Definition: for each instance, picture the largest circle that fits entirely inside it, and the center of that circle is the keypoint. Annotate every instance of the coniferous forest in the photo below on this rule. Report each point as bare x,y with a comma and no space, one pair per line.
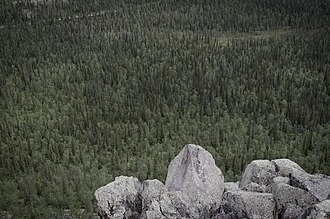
93,89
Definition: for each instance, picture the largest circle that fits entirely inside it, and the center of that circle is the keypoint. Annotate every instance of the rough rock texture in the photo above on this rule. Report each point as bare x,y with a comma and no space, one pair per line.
285,167
319,211
120,198
195,188
318,185
258,171
254,187
194,173
152,190
176,204
242,204
281,179
231,186
290,201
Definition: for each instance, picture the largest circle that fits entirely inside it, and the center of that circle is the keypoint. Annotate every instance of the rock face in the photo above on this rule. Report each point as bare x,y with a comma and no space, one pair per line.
290,201
119,199
258,171
195,188
319,211
243,204
194,173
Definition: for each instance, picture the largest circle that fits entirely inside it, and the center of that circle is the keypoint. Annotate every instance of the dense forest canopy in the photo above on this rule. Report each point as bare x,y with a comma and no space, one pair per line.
92,89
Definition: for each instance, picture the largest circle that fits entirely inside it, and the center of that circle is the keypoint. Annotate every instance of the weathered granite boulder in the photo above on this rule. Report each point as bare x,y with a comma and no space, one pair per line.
119,199
319,211
285,167
152,190
194,173
291,201
243,204
171,205
176,204
258,171
231,186
318,185
153,211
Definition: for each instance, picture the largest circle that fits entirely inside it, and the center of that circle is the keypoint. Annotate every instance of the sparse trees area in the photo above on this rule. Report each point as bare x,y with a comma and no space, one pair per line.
94,89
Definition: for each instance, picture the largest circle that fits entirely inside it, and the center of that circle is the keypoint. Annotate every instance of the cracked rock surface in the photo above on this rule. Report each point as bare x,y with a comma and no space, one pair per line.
195,188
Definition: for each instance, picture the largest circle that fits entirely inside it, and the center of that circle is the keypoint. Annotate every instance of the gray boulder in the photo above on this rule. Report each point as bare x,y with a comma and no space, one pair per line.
176,204
319,211
251,205
152,190
291,201
258,171
171,205
119,199
153,211
231,186
194,173
285,167
317,185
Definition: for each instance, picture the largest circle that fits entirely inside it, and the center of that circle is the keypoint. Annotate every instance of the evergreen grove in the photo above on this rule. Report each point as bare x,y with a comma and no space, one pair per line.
93,89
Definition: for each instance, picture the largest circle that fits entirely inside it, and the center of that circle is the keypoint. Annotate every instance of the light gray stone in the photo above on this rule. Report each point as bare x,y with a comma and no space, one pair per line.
120,198
317,185
281,179
319,211
252,205
231,186
152,190
285,167
254,187
291,201
194,173
258,171
176,204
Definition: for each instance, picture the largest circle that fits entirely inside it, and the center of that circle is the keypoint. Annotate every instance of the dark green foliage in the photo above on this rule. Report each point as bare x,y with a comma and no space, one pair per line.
95,89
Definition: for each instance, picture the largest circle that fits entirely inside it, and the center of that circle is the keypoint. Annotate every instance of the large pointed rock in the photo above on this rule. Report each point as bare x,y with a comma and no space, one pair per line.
194,173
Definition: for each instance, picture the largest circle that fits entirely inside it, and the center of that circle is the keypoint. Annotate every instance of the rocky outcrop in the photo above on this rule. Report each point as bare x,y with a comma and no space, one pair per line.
195,188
